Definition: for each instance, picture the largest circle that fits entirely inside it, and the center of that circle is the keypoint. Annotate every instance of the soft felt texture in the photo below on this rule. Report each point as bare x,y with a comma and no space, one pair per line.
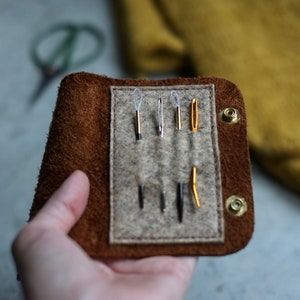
252,43
79,138
159,163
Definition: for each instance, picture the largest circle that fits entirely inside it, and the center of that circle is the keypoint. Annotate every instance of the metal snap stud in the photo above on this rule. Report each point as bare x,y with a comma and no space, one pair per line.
236,205
230,115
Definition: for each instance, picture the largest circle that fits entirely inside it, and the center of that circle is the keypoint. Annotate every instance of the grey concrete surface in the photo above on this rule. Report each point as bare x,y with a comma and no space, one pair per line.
268,268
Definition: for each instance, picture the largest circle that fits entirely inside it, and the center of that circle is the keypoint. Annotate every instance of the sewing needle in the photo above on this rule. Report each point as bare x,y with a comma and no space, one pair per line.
194,186
194,115
138,133
178,117
179,199
141,196
194,128
137,93
163,202
160,118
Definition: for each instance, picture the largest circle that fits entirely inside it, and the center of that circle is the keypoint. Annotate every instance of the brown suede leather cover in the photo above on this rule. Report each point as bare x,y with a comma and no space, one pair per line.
79,138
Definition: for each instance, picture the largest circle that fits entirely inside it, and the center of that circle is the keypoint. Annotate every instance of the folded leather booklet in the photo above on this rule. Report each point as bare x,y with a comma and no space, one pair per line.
168,164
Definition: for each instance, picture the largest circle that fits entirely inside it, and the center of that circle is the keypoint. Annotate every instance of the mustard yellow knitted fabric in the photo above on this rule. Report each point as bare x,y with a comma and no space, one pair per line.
254,43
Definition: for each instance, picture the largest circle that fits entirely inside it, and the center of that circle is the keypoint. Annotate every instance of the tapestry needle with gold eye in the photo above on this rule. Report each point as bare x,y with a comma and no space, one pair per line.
137,93
194,127
194,186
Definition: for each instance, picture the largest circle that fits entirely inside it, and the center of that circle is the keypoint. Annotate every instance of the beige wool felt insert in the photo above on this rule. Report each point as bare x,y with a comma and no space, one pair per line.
159,163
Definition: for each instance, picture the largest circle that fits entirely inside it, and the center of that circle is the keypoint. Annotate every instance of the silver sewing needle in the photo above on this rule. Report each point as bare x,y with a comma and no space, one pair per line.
160,117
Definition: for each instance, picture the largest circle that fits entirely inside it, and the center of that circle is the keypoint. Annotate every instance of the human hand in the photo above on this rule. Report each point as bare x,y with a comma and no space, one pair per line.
53,266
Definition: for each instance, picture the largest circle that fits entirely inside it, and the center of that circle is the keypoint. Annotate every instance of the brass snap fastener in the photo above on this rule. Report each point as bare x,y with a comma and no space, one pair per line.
236,205
230,115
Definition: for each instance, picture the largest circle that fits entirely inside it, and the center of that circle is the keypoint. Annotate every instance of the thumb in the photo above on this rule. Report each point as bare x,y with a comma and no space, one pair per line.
66,205
59,214
42,247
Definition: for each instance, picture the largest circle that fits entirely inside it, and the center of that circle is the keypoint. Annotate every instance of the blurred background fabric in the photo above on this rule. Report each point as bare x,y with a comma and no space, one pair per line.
253,43
269,267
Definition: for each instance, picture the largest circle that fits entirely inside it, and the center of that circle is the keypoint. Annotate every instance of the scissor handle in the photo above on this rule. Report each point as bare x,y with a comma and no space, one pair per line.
65,48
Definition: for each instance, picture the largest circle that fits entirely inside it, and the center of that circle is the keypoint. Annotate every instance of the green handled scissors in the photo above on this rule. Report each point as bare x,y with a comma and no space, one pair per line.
62,56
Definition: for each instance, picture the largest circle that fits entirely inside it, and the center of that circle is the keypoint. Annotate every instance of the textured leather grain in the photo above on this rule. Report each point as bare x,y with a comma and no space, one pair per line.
79,138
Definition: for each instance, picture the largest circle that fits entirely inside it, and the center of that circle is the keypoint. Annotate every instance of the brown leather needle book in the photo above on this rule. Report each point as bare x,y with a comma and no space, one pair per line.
167,160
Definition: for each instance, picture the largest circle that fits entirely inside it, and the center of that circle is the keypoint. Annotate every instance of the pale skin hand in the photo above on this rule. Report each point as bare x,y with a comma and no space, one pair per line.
52,266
